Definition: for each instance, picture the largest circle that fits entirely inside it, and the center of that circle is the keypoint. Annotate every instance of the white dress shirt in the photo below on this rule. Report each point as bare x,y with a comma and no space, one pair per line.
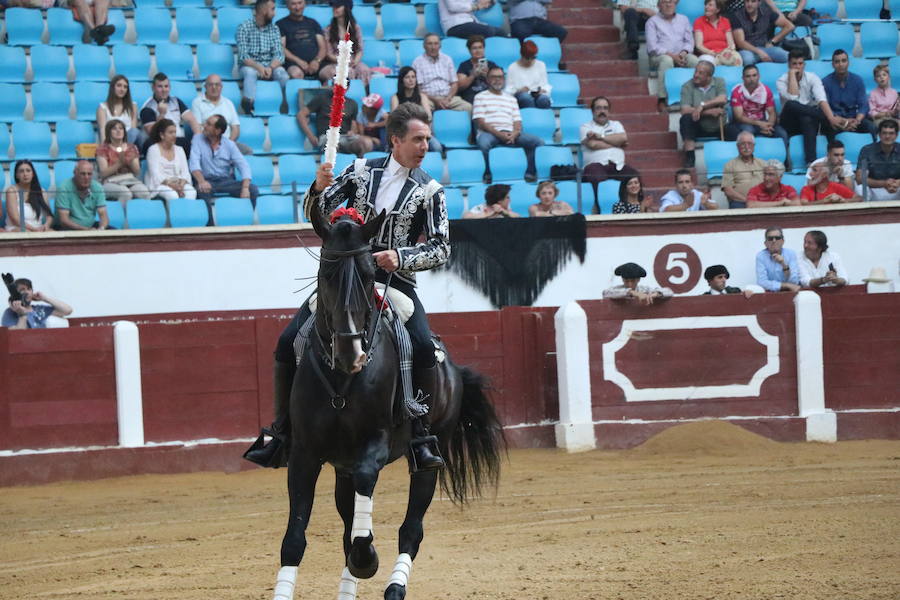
809,271
390,186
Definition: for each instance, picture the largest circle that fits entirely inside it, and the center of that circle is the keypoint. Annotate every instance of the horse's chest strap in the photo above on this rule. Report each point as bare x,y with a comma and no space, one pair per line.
338,399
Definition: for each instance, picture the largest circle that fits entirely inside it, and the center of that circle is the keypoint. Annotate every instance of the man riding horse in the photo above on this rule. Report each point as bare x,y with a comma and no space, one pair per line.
414,203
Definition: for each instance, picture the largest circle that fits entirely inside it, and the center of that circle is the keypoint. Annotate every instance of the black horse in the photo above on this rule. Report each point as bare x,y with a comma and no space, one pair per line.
344,411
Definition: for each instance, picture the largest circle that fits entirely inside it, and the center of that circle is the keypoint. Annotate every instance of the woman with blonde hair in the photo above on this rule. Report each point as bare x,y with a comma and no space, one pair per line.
548,205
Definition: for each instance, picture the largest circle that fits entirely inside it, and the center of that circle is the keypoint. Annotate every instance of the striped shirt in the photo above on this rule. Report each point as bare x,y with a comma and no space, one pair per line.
435,76
260,44
498,110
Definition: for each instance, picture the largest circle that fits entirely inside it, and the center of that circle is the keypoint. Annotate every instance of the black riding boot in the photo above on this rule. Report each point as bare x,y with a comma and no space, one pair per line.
274,453
424,453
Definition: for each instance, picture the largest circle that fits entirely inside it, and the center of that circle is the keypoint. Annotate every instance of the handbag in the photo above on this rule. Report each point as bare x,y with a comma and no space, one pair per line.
126,179
563,172
791,44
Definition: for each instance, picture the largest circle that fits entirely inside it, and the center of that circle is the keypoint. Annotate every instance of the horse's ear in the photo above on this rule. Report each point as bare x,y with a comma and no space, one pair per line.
320,224
371,228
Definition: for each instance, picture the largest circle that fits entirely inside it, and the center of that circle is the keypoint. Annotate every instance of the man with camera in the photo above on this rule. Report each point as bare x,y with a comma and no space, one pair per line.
22,312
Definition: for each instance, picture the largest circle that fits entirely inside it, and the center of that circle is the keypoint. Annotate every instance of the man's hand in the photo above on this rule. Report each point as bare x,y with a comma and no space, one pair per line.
442,102
748,293
245,192
778,258
764,57
161,109
389,260
790,287
19,309
766,128
324,177
204,187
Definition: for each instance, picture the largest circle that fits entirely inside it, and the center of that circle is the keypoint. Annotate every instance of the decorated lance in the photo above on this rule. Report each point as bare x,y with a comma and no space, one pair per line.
342,70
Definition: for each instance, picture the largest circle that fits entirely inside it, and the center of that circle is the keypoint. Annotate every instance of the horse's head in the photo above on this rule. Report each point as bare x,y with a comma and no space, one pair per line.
346,286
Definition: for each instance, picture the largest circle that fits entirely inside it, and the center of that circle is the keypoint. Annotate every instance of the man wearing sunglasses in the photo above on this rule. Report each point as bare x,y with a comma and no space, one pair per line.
777,268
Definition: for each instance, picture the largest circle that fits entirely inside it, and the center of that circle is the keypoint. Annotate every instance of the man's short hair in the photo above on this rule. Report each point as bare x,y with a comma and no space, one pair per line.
496,68
749,68
838,52
160,77
474,39
771,229
819,238
775,165
709,65
430,34
681,172
597,98
888,124
834,145
796,53
495,193
399,118
260,4
23,281
220,123
745,134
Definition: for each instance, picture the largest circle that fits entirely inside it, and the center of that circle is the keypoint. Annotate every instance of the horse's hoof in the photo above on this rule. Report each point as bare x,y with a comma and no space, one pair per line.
363,559
395,591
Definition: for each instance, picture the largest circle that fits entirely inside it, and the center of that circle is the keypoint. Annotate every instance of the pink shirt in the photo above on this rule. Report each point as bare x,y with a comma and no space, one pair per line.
713,35
752,109
882,100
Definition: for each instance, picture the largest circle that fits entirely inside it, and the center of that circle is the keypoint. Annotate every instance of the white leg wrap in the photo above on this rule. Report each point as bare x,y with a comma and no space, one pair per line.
284,583
347,590
402,568
362,517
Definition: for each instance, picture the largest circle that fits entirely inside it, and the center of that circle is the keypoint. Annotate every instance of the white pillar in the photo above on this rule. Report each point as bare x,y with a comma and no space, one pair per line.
575,430
821,423
129,400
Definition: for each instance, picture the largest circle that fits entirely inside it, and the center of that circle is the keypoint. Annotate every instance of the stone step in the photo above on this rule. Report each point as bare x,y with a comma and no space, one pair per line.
646,160
650,140
594,52
567,4
641,122
579,15
614,86
603,69
622,105
593,33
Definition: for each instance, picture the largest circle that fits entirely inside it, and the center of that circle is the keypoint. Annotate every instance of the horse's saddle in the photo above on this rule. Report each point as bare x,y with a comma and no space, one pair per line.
399,304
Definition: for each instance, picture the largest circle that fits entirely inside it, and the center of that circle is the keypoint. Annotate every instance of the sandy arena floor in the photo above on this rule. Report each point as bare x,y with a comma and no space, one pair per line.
703,510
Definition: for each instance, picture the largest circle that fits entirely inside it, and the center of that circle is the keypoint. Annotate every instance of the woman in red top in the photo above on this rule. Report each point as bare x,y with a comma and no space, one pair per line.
712,35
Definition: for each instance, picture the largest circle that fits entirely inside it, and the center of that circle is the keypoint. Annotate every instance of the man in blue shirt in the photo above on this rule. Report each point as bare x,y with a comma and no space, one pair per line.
777,268
24,314
847,98
529,17
214,160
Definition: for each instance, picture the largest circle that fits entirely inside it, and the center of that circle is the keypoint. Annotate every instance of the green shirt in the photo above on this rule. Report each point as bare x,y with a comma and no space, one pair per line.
692,96
81,210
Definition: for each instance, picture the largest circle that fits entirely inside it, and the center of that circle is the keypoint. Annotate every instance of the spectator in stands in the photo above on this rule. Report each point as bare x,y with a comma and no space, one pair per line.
471,76
742,172
713,37
846,95
602,145
342,21
168,176
498,122
212,102
838,168
320,105
527,78
496,204
303,42
631,287
632,198
162,105
883,101
458,19
547,204
753,108
823,191
408,91
879,163
820,267
771,192
717,278
776,266
80,201
215,160
670,43
635,14
685,197
92,14
119,165
119,106
260,53
703,103
27,186
25,314
804,105
793,10
753,27
437,76
372,121
529,17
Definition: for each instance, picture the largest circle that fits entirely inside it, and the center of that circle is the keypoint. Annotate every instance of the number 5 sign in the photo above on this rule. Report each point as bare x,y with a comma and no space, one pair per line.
677,266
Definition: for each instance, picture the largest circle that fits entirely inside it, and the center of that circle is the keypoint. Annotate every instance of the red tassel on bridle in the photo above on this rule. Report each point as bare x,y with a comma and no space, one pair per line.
347,212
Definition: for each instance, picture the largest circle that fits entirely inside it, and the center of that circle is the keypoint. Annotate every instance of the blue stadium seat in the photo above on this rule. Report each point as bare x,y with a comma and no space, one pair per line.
570,122
132,61
153,25
381,53
503,51
154,3
116,18
373,154
452,127
568,192
28,29
865,67
491,16
50,101
12,64
522,197
231,212
91,63
879,39
399,21
63,29
825,7
229,18
822,68
507,164
367,19
357,91
320,13
692,9
409,50
285,135
31,140
834,36
549,51
465,166
292,90
275,210
547,156
41,170
89,95
607,195
295,167
49,63
253,133
456,204
384,87
475,195
795,181
566,88
263,172
215,59
432,20
146,214
71,133
4,142
186,91
12,101
194,25
767,148
733,76
674,79
539,122
185,212
717,154
769,72
433,164
62,170
455,48
268,98
862,9
853,143
175,60
342,161
116,214
795,149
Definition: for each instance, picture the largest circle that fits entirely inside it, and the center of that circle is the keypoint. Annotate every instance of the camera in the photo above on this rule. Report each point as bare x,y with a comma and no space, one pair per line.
831,267
14,294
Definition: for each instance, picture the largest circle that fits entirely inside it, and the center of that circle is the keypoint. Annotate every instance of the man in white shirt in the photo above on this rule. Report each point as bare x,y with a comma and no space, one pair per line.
602,146
804,105
212,102
840,170
820,267
684,197
498,122
437,76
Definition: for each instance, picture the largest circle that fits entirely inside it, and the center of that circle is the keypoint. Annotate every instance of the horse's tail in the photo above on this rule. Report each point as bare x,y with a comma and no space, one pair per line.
473,449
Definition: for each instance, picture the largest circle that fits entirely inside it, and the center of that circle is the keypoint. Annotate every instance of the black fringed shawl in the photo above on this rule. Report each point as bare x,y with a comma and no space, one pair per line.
511,260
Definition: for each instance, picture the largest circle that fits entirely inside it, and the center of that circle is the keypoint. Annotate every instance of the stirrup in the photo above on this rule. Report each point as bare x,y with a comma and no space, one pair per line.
266,453
424,454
